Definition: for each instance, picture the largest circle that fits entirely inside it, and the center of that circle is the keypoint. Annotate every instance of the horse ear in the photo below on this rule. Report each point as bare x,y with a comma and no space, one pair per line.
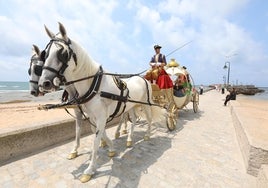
63,31
36,49
49,33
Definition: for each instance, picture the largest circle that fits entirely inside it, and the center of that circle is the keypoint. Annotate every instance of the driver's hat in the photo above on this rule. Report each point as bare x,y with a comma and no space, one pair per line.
157,46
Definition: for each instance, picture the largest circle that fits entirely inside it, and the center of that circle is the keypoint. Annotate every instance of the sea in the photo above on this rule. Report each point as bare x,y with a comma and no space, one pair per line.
12,88
6,87
12,91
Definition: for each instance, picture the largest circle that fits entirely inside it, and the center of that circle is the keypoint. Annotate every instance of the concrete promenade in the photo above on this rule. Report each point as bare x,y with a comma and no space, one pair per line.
202,152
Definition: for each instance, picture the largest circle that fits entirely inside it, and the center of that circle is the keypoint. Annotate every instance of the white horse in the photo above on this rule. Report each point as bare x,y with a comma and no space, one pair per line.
35,71
69,61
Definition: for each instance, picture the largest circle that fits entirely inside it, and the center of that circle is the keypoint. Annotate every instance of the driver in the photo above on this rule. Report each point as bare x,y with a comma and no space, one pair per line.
158,74
158,61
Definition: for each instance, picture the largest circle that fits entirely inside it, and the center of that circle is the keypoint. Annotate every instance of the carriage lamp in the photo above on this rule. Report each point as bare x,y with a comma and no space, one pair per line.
173,63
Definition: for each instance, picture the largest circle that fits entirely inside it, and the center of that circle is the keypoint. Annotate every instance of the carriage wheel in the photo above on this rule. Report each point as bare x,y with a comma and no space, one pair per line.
195,102
171,123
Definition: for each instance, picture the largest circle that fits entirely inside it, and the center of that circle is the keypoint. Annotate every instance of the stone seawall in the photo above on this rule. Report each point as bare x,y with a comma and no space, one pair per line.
251,129
25,141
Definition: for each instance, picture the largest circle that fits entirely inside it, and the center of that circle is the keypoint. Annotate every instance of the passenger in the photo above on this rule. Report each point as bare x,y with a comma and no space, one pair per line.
179,86
157,74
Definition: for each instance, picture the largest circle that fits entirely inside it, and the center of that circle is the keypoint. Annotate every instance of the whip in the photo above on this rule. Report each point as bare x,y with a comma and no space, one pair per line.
179,48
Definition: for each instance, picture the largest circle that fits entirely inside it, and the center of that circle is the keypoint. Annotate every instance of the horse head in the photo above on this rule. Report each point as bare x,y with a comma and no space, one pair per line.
58,55
35,71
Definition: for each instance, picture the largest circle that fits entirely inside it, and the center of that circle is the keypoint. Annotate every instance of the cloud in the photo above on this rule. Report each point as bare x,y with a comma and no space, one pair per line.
120,35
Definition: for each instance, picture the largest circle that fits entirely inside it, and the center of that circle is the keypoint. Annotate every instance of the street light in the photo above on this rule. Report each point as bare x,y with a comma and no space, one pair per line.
229,66
225,67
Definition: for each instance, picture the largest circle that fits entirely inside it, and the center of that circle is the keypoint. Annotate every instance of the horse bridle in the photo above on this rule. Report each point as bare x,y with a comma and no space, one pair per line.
64,58
36,68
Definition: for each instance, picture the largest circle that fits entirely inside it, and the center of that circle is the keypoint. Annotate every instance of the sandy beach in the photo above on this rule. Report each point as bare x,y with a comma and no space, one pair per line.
20,110
256,111
253,114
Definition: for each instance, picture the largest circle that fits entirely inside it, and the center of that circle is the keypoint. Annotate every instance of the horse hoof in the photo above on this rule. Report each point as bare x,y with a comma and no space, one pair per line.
103,144
111,153
129,144
124,132
72,155
85,178
117,135
146,138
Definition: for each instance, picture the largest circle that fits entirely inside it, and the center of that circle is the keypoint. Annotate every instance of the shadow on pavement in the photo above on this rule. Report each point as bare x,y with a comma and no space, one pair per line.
130,163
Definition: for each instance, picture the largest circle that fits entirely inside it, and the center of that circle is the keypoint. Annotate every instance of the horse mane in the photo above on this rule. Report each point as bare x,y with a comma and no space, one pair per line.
85,63
89,65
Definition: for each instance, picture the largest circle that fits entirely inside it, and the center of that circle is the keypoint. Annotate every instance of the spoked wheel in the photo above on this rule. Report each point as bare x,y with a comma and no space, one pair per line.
171,123
171,119
195,102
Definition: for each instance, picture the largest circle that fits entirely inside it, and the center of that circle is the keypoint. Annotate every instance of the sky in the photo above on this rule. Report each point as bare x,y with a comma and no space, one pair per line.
120,35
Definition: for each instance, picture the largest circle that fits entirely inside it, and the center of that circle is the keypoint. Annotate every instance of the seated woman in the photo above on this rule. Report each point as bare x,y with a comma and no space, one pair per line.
179,86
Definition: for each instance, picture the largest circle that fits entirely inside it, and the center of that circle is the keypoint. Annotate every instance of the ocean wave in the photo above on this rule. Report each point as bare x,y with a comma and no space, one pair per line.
14,91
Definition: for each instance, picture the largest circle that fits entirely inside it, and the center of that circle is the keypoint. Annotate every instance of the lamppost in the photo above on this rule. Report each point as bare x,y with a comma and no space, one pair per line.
229,66
225,67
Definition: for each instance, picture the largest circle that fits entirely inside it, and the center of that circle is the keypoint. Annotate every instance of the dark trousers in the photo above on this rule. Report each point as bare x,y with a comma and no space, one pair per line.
229,97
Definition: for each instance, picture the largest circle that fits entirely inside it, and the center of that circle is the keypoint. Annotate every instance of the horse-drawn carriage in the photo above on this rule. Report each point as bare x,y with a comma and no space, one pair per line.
182,93
101,95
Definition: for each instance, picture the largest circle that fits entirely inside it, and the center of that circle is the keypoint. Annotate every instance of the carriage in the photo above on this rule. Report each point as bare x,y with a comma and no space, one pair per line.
176,98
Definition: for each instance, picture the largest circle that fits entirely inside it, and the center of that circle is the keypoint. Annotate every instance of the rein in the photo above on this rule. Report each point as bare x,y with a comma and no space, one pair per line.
110,74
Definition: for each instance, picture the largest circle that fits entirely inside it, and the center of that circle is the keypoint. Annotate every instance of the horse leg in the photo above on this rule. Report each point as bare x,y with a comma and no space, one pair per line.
100,131
130,133
103,142
125,122
117,132
148,114
78,122
109,143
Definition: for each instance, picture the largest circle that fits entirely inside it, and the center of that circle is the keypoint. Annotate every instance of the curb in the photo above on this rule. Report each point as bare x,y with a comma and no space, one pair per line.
254,157
22,142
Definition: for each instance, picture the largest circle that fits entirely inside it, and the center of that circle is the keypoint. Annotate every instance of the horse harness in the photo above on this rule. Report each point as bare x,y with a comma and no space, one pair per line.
65,57
122,98
36,68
